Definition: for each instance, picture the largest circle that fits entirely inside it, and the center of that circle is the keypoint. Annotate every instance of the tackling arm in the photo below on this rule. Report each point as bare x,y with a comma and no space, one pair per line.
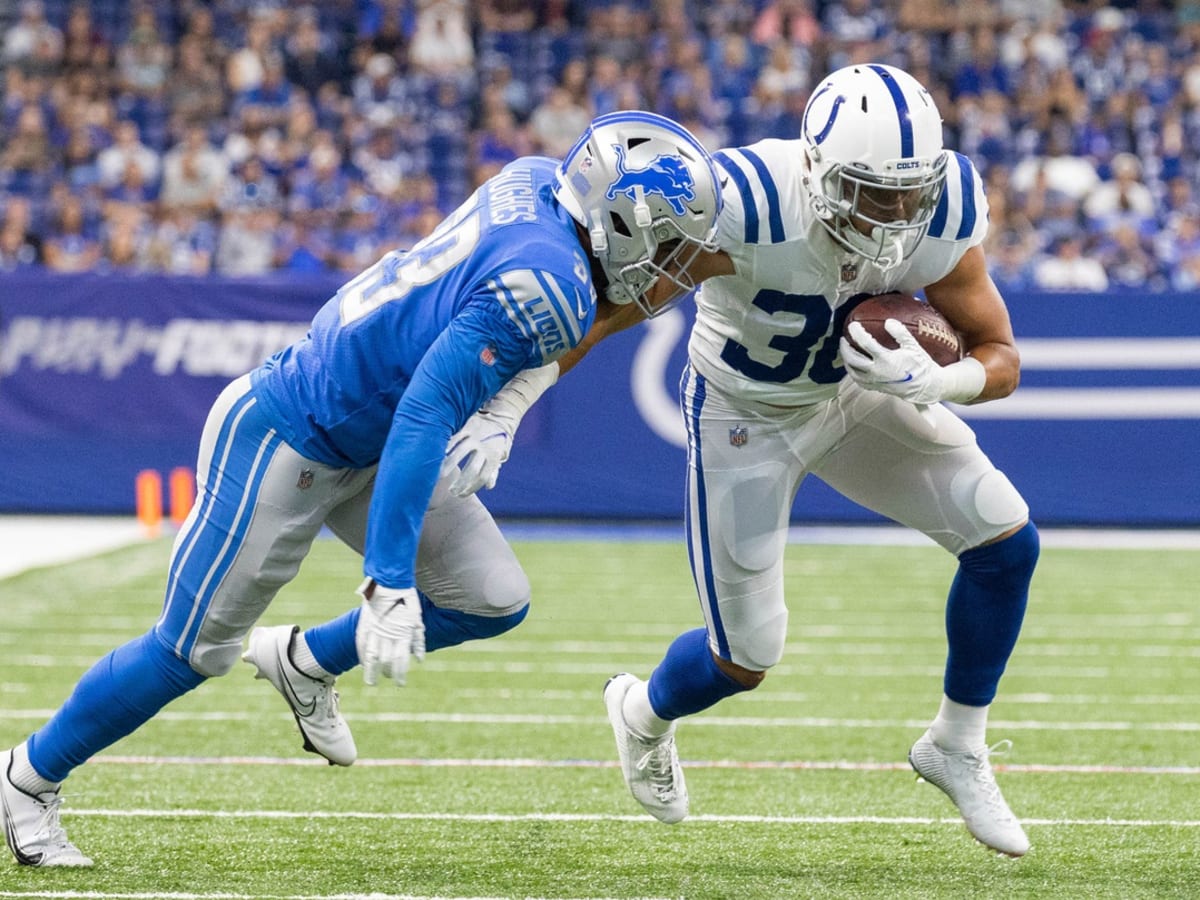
478,450
482,445
610,319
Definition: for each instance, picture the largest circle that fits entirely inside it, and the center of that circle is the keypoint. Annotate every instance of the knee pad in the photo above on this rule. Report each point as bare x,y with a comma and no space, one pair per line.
761,647
214,660
489,587
506,592
997,501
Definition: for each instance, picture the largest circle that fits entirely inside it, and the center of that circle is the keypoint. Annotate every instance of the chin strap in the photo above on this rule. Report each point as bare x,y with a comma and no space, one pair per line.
886,261
883,251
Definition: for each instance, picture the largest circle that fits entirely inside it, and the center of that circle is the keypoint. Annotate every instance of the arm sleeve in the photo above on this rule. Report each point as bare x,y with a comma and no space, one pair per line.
465,366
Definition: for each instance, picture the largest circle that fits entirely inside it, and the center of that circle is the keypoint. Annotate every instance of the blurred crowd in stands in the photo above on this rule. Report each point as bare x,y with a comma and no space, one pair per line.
245,137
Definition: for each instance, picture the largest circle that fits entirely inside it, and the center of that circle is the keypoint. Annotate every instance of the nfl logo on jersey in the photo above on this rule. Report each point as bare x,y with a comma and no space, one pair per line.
738,436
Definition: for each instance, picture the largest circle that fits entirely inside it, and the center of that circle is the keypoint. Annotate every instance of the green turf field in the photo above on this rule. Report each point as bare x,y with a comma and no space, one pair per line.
493,773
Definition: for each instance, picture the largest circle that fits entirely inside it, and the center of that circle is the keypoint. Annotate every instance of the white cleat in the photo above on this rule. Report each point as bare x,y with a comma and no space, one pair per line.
31,826
650,765
966,778
313,701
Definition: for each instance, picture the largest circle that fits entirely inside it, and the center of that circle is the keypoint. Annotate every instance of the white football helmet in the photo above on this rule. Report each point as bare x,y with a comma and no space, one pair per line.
638,182
876,167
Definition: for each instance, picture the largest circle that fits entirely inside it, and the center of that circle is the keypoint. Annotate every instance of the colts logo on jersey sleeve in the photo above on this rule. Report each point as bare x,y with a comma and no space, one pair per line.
666,176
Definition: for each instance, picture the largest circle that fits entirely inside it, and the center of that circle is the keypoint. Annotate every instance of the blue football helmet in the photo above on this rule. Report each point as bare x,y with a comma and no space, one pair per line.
638,183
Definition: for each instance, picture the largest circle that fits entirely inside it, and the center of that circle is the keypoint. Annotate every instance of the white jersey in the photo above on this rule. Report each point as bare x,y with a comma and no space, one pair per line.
770,332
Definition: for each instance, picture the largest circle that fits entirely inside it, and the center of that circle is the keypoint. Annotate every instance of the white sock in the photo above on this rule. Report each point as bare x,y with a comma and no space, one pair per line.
639,715
25,777
959,727
303,659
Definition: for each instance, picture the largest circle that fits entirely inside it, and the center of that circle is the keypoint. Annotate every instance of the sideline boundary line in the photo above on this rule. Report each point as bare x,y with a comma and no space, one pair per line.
175,895
34,541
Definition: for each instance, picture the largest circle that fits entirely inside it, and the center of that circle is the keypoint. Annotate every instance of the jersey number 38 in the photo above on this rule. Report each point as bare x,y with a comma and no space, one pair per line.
812,351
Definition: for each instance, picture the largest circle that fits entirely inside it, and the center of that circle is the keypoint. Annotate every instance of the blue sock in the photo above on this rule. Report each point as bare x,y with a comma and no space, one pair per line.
332,644
114,697
688,679
984,613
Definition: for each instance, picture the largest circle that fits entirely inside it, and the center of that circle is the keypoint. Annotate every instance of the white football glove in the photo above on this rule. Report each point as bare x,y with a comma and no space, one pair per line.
477,452
482,445
909,372
390,631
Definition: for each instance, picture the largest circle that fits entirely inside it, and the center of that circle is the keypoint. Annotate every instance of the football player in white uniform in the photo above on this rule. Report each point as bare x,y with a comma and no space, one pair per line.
865,202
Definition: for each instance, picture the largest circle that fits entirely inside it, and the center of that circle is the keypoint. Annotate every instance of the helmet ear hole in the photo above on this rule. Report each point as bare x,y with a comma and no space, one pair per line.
618,225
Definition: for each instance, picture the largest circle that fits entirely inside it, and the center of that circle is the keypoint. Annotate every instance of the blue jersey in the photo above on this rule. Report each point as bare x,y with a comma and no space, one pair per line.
398,360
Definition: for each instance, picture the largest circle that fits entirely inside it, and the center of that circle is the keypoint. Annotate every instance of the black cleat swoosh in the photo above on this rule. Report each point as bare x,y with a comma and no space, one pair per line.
301,710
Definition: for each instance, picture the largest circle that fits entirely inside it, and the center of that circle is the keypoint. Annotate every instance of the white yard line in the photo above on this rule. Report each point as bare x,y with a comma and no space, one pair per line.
601,670
702,721
278,814
527,763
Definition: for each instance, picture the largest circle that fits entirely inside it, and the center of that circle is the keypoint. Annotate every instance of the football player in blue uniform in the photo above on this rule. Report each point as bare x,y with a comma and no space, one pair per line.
349,427
866,201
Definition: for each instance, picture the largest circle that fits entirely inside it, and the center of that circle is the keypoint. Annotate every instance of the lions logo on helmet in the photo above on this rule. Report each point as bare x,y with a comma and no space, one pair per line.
666,175
640,183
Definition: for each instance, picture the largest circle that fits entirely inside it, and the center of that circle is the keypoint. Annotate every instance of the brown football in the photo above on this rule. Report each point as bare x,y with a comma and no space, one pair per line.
927,325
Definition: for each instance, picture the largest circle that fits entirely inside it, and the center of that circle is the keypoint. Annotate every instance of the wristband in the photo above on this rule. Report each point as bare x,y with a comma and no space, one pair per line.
964,380
514,399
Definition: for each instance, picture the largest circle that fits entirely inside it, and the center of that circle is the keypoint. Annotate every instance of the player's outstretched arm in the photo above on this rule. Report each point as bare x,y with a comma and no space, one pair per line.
482,446
478,450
